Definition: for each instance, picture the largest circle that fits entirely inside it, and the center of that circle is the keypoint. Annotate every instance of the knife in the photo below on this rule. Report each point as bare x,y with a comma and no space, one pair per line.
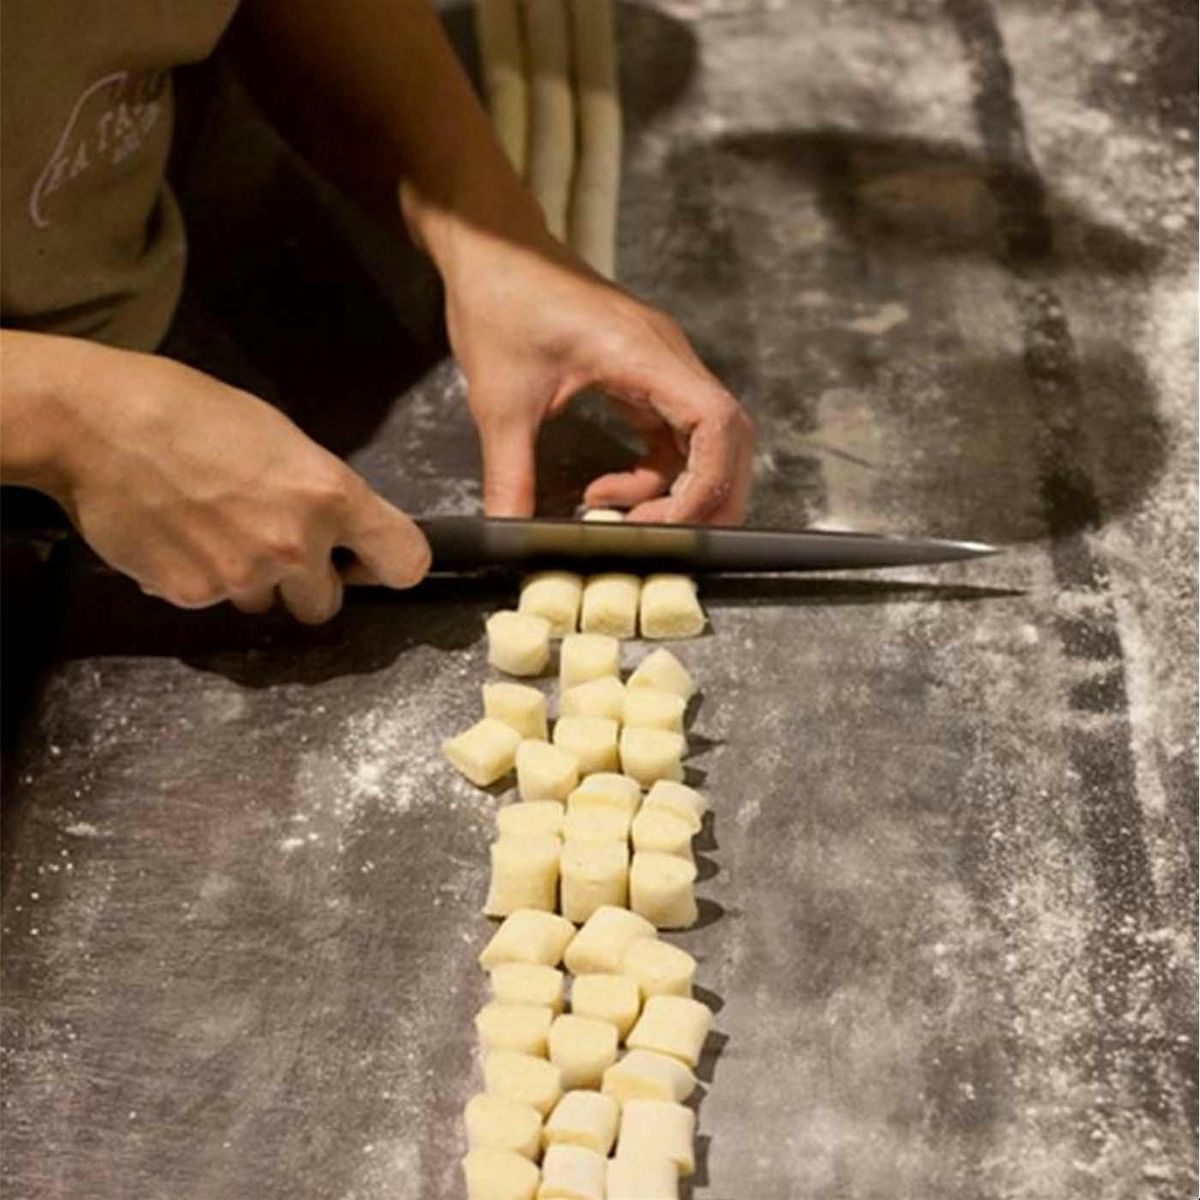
469,543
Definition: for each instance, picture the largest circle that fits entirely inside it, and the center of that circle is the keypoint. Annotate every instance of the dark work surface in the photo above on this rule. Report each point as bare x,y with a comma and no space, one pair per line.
945,253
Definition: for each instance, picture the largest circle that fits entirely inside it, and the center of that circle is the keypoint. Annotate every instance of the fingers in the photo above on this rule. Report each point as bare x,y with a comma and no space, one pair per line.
390,548
312,595
254,600
650,477
509,463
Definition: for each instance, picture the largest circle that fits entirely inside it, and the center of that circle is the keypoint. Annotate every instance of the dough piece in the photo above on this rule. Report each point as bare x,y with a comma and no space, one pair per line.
571,1173
587,656
669,607
658,1127
662,889
598,698
597,948
485,752
582,1048
593,741
593,874
646,708
524,875
545,772
649,755
643,1178
518,643
494,1123
528,983
612,998
583,1118
658,968
648,1075
502,64
610,515
499,1175
551,153
606,790
662,671
529,936
531,818
523,1027
610,605
554,596
672,1025
596,823
524,1078
519,705
660,831
679,800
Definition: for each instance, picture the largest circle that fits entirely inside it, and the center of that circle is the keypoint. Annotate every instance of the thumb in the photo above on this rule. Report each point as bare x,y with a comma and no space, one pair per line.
509,443
390,548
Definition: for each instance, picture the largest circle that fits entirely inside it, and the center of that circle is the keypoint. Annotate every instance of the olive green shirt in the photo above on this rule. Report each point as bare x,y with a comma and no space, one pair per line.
91,240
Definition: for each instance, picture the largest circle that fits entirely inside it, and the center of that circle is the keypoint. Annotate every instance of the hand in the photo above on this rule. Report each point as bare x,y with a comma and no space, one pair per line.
203,493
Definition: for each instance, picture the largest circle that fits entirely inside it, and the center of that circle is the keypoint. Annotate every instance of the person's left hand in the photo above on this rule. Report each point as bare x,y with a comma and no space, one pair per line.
531,328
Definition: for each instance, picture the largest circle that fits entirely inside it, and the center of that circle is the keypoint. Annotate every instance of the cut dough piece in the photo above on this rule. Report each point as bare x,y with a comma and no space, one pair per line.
529,983
582,1048
607,790
610,605
597,948
530,818
662,889
494,1123
646,708
651,1177
518,643
672,1025
485,752
648,1075
524,875
571,1173
611,515
669,607
662,671
593,741
545,772
661,1127
587,656
649,755
519,705
555,596
679,800
499,1175
597,823
658,830
551,152
604,697
613,998
523,1027
584,1118
528,936
524,1078
502,64
658,968
593,874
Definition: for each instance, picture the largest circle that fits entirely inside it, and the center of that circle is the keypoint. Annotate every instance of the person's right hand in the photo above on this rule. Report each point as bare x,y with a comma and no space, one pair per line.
202,493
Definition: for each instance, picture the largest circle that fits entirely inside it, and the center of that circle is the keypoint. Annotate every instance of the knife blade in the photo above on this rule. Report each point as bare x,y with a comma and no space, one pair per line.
464,543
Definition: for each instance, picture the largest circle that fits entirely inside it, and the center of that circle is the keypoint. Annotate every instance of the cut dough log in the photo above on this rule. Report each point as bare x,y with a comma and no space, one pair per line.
662,671
529,983
673,1025
597,948
679,800
531,818
554,596
592,740
646,708
502,63
612,998
523,1027
545,772
649,755
524,875
529,936
669,607
658,968
648,1075
551,153
584,1118
610,605
609,515
661,1127
596,823
587,656
524,1078
662,832
582,1048
606,790
499,1175
518,643
651,1177
494,1123
603,697
571,1173
518,705
662,889
593,874
485,752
